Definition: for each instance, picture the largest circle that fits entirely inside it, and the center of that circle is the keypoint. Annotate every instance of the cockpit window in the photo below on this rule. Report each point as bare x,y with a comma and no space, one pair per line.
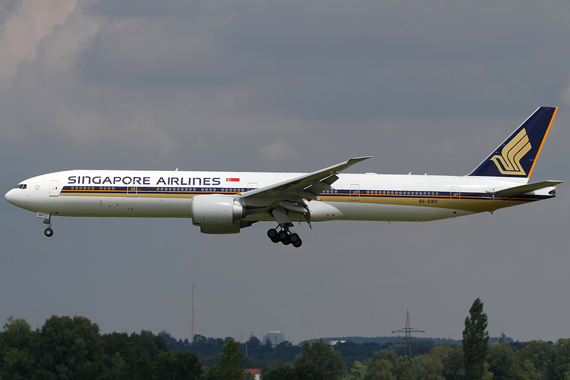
22,186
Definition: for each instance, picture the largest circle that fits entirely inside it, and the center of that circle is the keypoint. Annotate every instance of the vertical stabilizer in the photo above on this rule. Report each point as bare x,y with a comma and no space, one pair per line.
516,156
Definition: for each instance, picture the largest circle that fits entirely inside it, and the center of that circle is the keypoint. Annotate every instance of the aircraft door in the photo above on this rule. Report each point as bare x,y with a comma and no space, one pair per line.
54,188
354,192
455,194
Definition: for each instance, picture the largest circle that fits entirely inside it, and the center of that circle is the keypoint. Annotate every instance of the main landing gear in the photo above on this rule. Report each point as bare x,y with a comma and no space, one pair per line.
284,236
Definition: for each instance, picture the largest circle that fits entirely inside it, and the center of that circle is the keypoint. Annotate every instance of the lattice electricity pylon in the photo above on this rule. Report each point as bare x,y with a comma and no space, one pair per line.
407,335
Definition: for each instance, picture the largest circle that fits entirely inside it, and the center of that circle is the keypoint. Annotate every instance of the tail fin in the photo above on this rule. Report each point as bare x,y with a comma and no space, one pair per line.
516,156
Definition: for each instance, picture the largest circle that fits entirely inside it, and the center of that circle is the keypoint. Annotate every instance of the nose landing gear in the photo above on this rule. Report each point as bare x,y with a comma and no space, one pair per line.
284,236
48,231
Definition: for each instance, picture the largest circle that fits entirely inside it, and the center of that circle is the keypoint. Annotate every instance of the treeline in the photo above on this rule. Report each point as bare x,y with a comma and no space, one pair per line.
255,354
267,356
474,359
382,340
538,360
73,348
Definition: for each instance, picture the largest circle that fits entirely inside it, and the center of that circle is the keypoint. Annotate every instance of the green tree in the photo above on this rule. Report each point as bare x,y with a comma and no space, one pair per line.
265,367
432,368
324,356
141,369
379,369
560,360
529,372
228,368
16,342
405,369
189,366
358,371
253,345
282,372
17,364
16,333
534,358
166,366
453,368
153,345
71,348
42,374
502,362
177,366
117,368
382,365
309,371
121,356
475,342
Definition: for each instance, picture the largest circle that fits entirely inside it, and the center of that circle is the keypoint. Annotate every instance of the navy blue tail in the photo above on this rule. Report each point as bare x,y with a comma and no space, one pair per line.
516,156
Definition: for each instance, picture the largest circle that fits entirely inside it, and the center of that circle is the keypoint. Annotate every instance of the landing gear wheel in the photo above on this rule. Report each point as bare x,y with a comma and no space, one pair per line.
287,241
283,235
273,235
295,240
48,232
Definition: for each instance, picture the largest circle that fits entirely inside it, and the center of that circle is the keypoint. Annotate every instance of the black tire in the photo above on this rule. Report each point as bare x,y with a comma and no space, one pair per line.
287,241
283,235
272,233
298,243
294,238
48,232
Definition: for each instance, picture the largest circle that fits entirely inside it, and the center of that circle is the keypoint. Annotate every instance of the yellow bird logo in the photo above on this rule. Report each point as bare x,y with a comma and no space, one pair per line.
509,162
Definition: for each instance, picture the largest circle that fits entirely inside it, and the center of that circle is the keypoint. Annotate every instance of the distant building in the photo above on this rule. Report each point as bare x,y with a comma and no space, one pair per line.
254,372
275,337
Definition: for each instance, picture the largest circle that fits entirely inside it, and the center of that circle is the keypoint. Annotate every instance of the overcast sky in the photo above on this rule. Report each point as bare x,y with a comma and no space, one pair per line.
284,86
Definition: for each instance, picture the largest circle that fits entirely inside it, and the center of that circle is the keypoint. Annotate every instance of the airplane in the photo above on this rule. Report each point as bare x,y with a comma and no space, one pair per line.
226,202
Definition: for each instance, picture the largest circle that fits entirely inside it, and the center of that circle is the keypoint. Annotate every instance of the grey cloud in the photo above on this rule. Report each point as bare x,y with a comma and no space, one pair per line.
148,8
351,62
7,9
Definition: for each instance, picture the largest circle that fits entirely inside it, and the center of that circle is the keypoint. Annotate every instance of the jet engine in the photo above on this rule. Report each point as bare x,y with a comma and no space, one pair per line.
217,213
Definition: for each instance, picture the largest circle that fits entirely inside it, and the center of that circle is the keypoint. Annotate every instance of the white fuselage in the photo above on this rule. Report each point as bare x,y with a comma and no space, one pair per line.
168,194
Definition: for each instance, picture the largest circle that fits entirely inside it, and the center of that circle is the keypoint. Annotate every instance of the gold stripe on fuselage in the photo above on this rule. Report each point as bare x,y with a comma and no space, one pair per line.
473,204
470,203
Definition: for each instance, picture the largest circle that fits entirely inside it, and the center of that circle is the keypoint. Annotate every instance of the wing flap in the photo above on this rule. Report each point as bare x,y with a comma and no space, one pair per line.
523,189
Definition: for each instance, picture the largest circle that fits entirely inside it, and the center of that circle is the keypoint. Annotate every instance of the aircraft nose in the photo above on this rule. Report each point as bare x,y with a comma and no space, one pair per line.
12,197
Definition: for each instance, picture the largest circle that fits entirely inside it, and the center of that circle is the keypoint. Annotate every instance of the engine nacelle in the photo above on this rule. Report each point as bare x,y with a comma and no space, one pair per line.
217,211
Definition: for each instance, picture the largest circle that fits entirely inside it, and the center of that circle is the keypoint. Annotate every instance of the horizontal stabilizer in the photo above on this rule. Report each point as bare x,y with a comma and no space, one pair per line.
518,190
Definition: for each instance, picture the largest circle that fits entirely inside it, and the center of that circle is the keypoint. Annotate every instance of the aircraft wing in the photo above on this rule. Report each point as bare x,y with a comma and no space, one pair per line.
518,190
307,186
